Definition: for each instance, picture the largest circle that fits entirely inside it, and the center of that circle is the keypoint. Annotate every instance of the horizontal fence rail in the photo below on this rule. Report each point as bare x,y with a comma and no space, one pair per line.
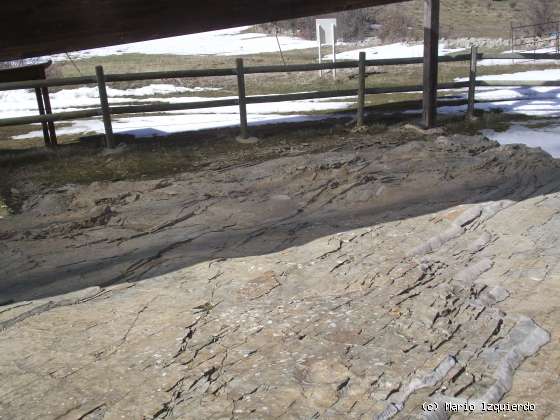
178,74
518,83
163,107
106,110
291,68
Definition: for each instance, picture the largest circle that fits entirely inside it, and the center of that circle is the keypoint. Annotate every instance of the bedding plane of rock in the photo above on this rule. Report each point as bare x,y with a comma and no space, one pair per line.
358,282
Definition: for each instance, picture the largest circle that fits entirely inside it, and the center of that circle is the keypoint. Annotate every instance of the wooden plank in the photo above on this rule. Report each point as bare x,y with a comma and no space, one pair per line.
415,88
162,107
361,89
128,77
348,64
31,29
105,110
520,56
174,74
518,83
61,116
24,72
241,97
32,84
472,82
288,97
431,40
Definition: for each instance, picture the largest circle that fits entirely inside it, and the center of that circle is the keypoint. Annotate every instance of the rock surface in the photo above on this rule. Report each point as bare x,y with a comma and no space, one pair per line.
360,282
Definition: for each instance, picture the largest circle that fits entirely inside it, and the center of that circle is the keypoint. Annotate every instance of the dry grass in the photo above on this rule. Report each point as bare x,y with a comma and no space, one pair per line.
473,18
146,159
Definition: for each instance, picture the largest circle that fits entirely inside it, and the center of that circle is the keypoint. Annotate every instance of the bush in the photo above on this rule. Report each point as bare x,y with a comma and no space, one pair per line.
396,25
352,25
302,27
541,12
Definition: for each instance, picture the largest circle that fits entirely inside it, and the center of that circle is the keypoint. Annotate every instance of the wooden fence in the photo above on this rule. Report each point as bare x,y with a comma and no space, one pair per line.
105,110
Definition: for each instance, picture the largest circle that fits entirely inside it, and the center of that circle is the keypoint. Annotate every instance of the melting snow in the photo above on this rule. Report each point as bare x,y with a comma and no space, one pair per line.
533,101
547,138
534,75
397,50
19,103
22,103
223,42
524,61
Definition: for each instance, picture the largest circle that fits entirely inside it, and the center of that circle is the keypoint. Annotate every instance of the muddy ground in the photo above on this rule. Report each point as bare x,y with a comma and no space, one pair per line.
356,279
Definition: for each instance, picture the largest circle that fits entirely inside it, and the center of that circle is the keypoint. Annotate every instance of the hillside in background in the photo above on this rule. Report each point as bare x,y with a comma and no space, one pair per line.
475,18
459,19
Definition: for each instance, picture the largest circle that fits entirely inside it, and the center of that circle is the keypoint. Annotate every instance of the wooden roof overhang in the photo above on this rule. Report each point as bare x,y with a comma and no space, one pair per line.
32,28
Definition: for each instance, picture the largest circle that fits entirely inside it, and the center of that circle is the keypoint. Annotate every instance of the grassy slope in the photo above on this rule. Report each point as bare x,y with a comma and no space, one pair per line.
474,18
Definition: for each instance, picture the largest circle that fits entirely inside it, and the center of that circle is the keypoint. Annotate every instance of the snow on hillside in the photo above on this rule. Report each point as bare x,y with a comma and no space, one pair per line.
397,50
405,50
524,61
223,42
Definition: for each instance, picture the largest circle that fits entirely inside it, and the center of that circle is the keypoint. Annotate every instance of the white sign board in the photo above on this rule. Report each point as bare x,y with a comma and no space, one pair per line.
326,34
326,30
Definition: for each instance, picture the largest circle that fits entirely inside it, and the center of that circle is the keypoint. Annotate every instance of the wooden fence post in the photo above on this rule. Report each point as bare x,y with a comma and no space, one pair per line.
109,140
472,82
334,50
242,101
41,107
431,41
48,111
558,38
361,89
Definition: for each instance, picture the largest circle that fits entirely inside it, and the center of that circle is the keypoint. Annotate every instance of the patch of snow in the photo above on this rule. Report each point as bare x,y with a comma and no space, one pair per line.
534,75
162,125
397,50
522,94
531,108
20,103
23,103
223,42
523,61
533,101
169,122
547,138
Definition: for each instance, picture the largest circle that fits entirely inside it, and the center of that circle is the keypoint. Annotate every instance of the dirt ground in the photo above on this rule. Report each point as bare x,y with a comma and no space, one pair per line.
340,275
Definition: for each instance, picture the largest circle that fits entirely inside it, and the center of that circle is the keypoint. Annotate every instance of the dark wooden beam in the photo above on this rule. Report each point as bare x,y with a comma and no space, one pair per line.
48,111
41,107
34,72
431,41
31,28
